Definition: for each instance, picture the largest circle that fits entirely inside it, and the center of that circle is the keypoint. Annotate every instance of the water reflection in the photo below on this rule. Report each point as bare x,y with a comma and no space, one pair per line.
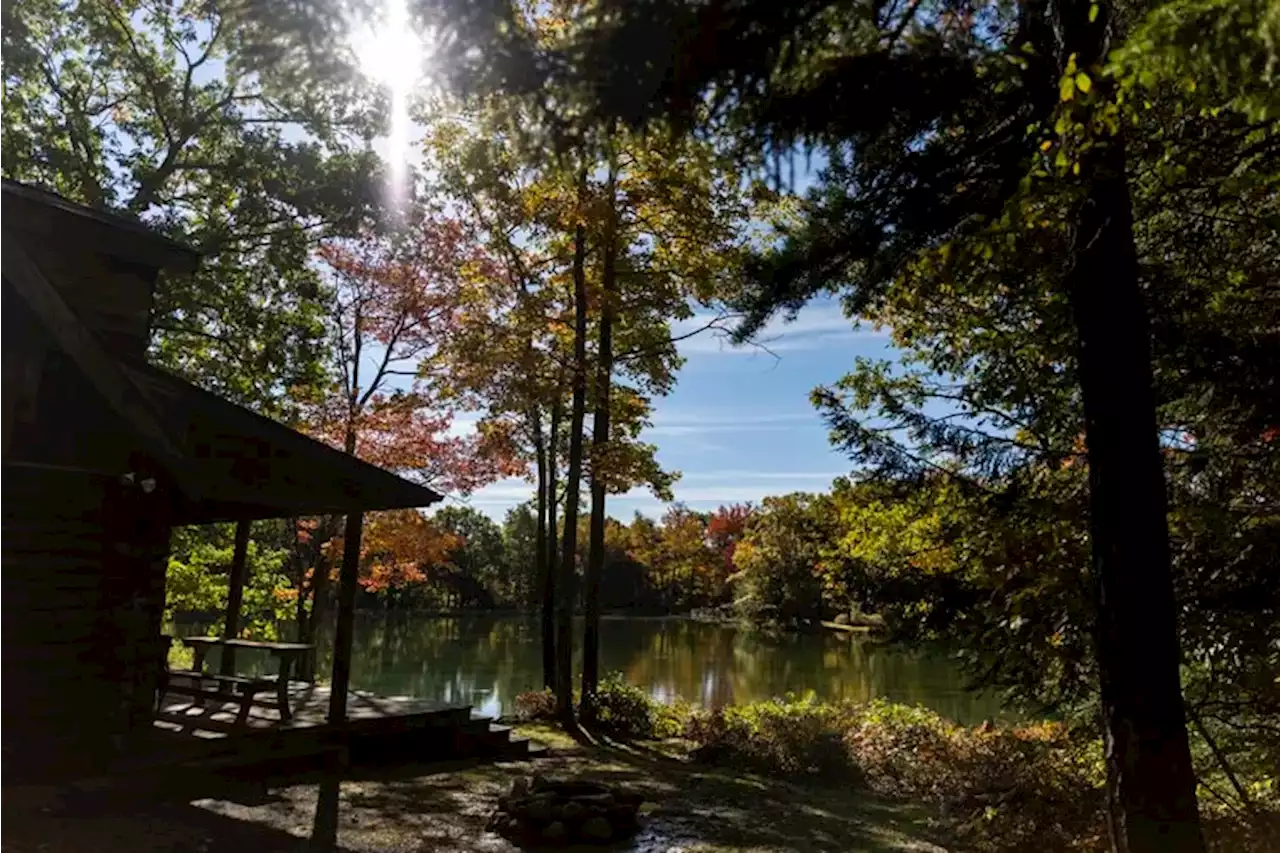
486,661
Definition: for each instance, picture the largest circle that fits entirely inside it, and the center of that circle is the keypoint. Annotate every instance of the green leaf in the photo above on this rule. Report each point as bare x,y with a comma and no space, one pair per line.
1083,83
1093,12
1067,90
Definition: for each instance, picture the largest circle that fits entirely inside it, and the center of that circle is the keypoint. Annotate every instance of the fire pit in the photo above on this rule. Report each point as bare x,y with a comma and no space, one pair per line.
547,811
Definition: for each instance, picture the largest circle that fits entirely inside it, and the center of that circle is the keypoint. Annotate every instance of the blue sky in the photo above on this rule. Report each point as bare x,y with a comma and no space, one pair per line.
739,425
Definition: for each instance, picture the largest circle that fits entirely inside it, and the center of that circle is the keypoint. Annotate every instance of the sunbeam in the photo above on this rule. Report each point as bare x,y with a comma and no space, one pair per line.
394,54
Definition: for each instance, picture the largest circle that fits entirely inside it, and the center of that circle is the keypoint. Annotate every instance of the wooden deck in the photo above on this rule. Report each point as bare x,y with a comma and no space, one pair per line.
310,704
187,740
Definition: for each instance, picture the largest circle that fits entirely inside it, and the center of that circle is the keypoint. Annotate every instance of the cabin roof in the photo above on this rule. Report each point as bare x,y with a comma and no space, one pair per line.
226,461
249,466
117,234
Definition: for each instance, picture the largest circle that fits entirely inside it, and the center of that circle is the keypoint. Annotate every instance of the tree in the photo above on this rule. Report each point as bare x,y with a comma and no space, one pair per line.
990,381
644,546
399,551
661,198
393,299
600,444
506,355
512,358
685,559
941,153
573,480
725,529
779,560
145,108
478,553
197,579
523,551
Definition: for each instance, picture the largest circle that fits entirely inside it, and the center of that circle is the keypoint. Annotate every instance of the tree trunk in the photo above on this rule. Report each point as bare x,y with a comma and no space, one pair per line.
320,581
573,480
549,590
319,607
344,630
310,557
300,566
235,593
544,586
1151,782
599,448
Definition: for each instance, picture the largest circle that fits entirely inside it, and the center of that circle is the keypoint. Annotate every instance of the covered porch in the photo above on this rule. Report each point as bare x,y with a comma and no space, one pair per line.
252,468
104,455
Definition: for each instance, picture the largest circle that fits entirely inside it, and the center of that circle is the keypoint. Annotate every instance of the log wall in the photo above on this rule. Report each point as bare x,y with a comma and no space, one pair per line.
82,599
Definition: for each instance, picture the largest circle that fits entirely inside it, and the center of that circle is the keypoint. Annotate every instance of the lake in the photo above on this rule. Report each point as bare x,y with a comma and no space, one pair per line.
486,661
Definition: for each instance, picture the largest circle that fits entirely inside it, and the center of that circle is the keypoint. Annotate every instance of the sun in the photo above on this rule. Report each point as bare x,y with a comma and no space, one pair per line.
389,50
394,54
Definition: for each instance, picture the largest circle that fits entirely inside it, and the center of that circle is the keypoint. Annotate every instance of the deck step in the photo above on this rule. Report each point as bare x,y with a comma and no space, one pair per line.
382,730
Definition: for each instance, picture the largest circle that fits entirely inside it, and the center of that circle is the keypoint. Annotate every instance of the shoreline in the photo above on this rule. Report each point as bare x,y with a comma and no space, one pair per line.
713,616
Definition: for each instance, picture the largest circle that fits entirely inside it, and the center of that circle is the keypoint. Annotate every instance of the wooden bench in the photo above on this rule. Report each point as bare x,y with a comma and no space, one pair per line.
225,688
286,653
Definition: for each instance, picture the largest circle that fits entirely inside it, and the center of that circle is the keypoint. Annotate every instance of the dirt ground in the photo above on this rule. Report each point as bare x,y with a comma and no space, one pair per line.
444,807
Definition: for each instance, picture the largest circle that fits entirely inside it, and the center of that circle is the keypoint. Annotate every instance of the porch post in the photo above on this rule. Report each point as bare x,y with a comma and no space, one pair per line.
235,593
348,580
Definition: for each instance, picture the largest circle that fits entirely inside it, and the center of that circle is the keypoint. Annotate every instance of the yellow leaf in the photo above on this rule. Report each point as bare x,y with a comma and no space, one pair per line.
1067,90
1083,83
1046,145
1075,168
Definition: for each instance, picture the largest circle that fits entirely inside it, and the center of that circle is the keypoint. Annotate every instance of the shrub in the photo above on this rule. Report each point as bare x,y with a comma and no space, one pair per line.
536,705
788,736
1000,788
627,711
995,788
623,709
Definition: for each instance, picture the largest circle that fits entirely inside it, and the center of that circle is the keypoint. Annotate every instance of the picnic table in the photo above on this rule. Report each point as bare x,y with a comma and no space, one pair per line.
286,653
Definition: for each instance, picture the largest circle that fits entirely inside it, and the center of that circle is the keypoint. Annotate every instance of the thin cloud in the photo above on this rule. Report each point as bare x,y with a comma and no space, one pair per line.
510,487
822,476
814,328
692,423
744,427
694,417
725,494
736,486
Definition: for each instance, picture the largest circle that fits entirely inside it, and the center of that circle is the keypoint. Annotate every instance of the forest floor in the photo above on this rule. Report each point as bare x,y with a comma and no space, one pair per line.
444,807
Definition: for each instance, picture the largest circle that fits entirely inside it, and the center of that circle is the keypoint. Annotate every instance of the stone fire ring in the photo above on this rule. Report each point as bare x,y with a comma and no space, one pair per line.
542,811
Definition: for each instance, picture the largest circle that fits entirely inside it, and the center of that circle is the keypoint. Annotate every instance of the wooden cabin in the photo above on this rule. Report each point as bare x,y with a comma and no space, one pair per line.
103,454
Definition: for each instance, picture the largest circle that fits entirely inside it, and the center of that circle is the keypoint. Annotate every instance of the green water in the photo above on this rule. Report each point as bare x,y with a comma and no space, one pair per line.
486,661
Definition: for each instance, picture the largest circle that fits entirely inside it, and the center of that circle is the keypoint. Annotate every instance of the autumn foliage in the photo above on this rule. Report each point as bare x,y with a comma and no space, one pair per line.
393,305
395,301
725,529
400,548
